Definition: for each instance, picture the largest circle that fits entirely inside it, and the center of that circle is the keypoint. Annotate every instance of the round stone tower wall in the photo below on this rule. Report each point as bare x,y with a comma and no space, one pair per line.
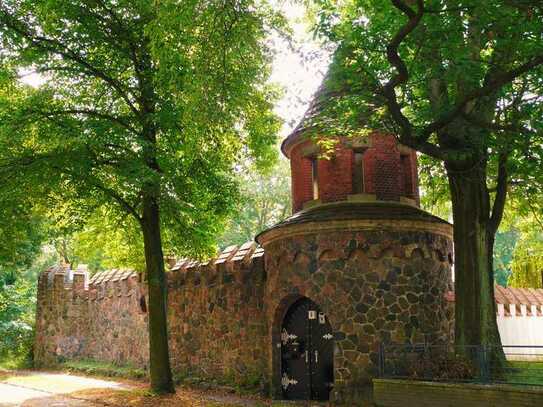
378,281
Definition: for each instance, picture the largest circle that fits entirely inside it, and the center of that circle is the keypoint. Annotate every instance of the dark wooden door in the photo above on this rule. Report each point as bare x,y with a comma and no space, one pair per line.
322,360
307,351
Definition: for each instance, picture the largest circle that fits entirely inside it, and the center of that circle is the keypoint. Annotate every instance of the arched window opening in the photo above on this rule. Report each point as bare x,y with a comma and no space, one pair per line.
358,172
406,171
315,177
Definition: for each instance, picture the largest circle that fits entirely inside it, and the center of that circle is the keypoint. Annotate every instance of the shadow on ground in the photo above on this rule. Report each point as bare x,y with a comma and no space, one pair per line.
44,389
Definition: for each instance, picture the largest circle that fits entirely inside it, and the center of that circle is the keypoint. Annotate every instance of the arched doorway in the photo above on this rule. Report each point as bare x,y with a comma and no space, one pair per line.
307,353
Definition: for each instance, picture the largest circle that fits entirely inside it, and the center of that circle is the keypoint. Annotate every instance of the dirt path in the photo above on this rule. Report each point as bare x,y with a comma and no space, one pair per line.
43,389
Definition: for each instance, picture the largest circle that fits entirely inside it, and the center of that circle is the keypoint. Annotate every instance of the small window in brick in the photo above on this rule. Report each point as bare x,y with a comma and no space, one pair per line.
405,161
358,172
315,177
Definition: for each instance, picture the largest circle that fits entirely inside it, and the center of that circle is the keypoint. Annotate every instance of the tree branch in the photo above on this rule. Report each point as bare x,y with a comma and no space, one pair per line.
402,76
91,113
120,200
56,47
389,89
485,90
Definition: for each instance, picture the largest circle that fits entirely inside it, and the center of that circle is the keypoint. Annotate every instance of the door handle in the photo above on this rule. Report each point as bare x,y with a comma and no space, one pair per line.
316,356
306,356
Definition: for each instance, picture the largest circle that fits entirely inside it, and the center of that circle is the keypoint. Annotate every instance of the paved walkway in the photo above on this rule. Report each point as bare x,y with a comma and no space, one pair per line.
42,389
31,389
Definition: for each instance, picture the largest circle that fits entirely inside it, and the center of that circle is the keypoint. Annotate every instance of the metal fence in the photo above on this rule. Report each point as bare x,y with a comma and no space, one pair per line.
522,365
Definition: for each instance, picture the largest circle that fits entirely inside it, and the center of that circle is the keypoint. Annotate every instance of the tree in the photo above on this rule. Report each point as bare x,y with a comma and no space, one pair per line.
527,261
459,81
264,201
22,232
147,105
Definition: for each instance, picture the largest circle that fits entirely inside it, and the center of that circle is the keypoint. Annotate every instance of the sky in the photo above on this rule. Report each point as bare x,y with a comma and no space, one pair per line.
292,71
299,72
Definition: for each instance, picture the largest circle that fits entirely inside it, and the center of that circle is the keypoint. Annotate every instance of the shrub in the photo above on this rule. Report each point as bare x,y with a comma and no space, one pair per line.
445,366
17,306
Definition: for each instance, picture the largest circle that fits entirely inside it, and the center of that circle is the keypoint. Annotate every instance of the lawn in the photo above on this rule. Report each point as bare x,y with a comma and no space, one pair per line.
530,373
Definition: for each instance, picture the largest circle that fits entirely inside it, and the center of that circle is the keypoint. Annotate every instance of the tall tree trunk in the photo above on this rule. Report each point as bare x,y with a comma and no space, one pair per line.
475,307
160,371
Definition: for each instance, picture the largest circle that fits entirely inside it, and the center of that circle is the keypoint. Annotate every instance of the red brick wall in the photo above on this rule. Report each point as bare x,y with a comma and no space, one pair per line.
335,175
384,174
300,169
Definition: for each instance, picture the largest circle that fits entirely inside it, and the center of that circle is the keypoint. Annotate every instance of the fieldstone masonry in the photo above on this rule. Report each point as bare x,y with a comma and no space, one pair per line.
216,316
379,282
100,318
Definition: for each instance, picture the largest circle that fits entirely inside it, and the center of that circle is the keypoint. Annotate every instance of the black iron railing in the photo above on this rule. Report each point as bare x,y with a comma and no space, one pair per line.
522,365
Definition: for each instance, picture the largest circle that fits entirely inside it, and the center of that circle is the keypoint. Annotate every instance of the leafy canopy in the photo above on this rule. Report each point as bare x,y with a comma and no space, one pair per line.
195,73
264,201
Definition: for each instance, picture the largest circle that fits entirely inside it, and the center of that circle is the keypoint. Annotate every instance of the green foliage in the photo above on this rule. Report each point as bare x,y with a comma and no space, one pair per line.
17,307
102,242
504,246
97,368
17,310
527,262
434,188
264,201
21,233
194,74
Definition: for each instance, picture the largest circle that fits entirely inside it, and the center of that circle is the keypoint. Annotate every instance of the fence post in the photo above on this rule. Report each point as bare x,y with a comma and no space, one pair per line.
483,364
381,359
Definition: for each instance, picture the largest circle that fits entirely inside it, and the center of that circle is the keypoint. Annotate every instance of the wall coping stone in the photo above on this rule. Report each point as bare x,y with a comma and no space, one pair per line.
474,386
311,222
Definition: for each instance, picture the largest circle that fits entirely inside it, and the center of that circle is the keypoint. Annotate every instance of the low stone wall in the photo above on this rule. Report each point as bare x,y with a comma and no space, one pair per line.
408,393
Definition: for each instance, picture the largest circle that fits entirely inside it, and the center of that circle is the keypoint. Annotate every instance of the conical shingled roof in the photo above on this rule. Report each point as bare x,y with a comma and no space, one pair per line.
315,107
334,86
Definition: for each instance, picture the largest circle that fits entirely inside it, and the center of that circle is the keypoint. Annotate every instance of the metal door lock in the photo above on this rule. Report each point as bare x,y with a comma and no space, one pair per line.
322,318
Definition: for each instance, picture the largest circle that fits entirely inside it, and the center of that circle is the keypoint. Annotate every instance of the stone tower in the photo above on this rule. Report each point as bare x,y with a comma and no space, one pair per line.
360,251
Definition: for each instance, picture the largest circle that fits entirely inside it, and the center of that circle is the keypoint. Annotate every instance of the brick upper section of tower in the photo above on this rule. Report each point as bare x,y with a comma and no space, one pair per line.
387,171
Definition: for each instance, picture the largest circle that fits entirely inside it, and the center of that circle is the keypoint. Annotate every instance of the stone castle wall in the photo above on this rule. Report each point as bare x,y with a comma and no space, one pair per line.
100,318
215,316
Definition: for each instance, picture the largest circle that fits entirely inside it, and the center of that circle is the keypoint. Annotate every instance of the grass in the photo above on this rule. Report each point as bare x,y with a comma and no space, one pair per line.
530,373
95,368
